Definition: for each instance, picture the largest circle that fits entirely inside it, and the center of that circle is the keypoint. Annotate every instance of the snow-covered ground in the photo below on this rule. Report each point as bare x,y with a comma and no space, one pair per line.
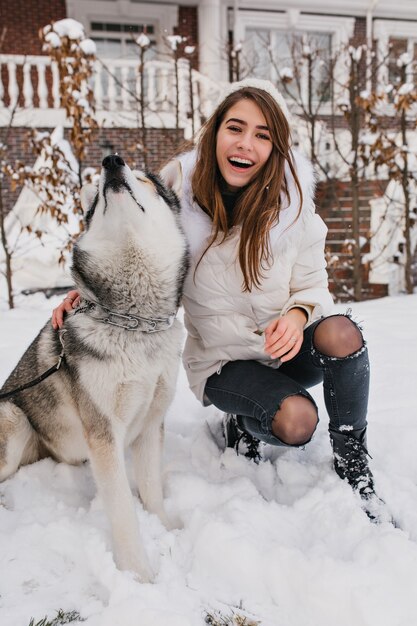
286,541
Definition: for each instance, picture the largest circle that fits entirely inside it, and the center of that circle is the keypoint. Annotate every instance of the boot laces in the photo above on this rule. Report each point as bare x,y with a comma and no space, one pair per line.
252,446
353,465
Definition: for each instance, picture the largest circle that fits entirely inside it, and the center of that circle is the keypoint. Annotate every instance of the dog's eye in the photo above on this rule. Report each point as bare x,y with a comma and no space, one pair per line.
143,179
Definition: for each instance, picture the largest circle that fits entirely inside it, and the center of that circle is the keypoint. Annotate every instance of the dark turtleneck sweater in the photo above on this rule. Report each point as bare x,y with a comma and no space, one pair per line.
230,199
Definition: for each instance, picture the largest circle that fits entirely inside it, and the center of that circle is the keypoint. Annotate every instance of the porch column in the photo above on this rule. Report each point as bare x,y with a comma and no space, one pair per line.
212,46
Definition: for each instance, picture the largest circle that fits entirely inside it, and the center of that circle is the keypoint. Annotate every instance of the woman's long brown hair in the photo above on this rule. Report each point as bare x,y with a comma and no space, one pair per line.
258,207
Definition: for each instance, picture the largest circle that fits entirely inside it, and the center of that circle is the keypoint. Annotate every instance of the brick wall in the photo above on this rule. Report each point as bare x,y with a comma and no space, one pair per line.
359,33
334,205
188,27
162,144
17,148
22,20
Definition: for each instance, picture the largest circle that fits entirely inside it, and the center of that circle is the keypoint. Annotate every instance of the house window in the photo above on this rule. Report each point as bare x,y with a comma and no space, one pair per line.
118,41
272,40
114,24
397,47
117,48
394,39
272,54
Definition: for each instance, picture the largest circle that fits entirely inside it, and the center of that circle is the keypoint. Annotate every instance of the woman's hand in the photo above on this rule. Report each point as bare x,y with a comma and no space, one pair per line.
69,303
284,336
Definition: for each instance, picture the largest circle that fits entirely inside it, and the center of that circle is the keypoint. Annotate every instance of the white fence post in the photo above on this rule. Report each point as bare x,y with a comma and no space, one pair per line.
55,85
13,86
27,86
114,90
42,87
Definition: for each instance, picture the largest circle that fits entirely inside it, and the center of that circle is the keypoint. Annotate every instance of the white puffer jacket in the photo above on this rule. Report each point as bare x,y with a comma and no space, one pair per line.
224,323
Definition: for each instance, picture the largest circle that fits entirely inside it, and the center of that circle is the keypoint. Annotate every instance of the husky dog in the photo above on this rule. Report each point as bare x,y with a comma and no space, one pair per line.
121,354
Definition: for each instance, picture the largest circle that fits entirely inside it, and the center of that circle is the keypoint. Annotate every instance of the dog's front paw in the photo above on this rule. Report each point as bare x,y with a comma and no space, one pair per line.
142,573
171,523
145,575
140,566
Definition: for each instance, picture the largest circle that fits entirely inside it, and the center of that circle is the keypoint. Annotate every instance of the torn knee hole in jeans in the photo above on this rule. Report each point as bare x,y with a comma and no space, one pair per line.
331,337
325,358
295,423
298,394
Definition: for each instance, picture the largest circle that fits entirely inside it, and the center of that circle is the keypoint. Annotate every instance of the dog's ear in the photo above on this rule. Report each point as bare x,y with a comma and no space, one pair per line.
171,174
87,195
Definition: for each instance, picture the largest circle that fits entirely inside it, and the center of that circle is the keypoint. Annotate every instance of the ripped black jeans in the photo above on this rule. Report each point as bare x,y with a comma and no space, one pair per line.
254,392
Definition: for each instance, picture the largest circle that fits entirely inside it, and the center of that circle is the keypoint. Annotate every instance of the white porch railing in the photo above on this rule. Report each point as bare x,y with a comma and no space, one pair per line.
33,83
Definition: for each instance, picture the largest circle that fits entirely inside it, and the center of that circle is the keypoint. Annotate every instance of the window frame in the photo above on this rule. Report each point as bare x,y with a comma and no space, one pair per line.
341,29
164,17
383,31
274,41
122,36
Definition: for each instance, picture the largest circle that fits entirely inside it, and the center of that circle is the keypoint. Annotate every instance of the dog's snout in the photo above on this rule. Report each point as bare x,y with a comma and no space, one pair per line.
112,162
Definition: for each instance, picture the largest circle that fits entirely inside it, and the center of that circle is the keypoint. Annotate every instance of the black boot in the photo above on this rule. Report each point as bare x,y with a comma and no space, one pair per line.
235,436
351,463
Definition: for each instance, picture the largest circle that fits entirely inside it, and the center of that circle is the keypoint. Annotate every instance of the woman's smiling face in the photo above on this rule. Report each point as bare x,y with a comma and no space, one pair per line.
243,144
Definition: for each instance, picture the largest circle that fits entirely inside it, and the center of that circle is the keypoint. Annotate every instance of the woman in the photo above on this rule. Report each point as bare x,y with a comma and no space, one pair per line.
256,296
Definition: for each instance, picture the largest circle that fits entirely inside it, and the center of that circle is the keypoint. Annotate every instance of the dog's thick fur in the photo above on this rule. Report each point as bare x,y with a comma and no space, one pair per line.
114,385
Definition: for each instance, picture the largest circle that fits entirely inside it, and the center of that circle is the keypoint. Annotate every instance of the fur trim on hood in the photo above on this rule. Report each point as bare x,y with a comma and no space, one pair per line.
197,225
